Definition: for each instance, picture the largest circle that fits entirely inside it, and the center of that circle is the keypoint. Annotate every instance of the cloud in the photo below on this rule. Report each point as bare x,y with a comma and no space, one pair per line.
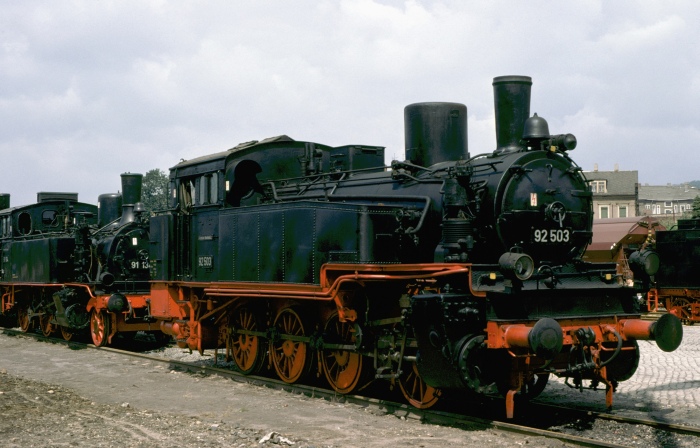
92,89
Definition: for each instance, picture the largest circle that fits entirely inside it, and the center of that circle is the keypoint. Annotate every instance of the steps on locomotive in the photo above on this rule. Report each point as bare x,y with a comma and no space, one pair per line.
654,315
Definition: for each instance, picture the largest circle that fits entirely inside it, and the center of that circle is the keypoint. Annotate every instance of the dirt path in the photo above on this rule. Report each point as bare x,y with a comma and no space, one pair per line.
52,395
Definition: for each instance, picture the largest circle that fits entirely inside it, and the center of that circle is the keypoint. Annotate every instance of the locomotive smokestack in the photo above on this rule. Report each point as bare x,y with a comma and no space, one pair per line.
131,188
4,201
511,95
435,132
131,196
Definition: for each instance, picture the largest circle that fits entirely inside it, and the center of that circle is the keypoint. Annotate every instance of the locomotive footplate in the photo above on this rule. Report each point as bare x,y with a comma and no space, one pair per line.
518,355
597,349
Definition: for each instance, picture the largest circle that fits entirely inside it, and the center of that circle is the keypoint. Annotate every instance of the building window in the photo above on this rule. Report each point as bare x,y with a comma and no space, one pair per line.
648,206
657,209
668,203
604,212
599,186
668,212
623,211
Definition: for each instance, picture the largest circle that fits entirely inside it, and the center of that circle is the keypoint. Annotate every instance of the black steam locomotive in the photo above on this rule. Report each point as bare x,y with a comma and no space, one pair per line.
448,271
676,282
69,266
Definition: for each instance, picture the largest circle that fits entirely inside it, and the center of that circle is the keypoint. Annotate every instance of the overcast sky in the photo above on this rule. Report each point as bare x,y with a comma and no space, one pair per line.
92,89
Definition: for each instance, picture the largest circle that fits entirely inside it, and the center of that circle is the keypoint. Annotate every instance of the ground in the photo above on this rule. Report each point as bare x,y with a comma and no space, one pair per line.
54,396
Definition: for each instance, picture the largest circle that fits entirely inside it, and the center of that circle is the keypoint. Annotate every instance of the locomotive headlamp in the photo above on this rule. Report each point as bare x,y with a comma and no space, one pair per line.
117,303
645,260
563,142
516,265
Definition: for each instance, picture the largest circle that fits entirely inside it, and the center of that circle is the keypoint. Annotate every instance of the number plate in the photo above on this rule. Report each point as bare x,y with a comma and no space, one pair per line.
551,236
205,261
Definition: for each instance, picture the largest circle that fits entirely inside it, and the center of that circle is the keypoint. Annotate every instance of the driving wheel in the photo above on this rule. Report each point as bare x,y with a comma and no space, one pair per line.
243,344
415,390
23,319
343,367
47,327
289,352
99,328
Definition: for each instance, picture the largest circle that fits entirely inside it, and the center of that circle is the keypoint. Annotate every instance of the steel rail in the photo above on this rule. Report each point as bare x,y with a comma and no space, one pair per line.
663,426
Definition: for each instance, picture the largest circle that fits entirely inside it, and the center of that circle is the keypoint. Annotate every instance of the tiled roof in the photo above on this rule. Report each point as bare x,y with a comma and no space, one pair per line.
667,193
618,182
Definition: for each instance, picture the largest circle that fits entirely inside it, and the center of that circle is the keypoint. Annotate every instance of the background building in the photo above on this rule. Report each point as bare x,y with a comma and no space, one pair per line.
673,201
615,193
618,194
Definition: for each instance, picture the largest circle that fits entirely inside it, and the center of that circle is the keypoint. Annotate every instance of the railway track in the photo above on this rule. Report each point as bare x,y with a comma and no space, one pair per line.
653,424
563,424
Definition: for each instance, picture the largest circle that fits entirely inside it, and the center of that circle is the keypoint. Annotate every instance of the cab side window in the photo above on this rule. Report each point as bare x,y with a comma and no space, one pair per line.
208,189
48,218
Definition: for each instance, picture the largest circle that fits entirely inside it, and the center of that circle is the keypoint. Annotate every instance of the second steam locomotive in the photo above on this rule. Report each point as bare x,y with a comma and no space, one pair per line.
449,271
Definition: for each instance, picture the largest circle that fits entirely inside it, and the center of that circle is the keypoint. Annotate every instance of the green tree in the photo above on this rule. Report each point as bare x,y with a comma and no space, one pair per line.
696,207
154,193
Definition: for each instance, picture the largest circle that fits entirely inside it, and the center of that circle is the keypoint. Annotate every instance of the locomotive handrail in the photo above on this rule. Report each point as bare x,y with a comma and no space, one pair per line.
410,230
356,198
329,293
332,173
83,286
486,164
314,179
276,197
